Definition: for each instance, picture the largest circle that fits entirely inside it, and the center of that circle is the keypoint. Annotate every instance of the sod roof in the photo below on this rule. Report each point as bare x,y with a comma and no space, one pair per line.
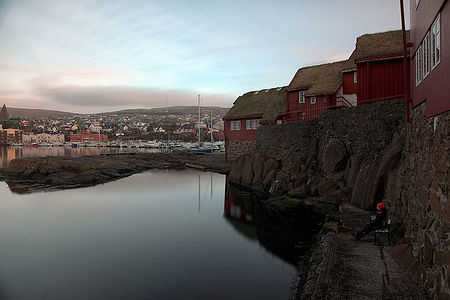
265,104
321,79
380,44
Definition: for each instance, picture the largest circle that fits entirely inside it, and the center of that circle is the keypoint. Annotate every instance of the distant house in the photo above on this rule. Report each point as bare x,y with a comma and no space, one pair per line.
248,112
430,59
316,89
379,65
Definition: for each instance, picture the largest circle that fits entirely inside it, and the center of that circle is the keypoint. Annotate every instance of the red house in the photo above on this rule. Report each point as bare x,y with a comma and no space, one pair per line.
86,136
316,89
246,115
379,63
430,59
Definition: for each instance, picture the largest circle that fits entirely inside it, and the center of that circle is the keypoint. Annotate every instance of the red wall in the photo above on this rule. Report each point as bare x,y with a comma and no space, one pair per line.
312,111
435,88
88,137
380,80
349,86
242,134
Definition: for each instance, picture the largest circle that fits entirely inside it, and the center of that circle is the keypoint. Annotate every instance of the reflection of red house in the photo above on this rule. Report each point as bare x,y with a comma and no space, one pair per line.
316,89
379,62
430,64
232,210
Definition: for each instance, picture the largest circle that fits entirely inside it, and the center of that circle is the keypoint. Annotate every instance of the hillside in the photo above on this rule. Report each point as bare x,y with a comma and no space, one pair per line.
176,110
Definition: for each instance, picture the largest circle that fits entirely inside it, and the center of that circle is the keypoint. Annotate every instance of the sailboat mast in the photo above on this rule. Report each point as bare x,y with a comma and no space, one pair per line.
211,126
199,119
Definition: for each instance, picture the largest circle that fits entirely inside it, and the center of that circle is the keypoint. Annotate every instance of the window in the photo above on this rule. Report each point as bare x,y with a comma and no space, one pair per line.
255,124
236,125
436,42
426,56
419,65
248,124
313,100
355,77
417,3
301,97
303,115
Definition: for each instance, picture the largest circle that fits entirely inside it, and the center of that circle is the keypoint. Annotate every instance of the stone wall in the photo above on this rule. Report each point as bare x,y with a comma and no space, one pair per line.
417,193
237,148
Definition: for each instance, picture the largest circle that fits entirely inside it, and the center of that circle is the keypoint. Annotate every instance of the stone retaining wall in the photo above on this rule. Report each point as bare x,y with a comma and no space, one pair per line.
237,148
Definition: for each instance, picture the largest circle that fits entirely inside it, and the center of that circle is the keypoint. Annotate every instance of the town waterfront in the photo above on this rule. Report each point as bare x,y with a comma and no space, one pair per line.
154,235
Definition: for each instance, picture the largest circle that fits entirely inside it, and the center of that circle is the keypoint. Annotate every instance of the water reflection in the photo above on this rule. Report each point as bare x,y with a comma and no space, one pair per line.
9,153
287,237
155,235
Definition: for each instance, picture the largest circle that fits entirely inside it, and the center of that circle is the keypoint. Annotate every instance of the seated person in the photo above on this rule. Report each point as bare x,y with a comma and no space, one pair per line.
378,223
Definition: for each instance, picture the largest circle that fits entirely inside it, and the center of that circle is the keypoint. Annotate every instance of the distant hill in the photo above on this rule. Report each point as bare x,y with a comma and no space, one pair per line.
175,110
37,113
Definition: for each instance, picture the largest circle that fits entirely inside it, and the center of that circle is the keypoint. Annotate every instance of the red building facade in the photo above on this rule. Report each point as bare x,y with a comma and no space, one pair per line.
379,61
88,137
430,55
249,111
316,89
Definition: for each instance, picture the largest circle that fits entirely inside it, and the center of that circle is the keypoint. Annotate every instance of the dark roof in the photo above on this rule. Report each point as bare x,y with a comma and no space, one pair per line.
321,79
380,44
4,115
265,104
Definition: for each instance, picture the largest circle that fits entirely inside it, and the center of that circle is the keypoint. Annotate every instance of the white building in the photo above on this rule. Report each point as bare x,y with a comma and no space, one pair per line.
28,138
95,127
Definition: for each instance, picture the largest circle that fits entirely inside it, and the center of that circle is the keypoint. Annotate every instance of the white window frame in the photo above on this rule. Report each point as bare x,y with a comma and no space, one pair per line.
417,3
248,124
301,97
303,115
419,65
313,100
436,42
236,125
426,59
255,123
355,77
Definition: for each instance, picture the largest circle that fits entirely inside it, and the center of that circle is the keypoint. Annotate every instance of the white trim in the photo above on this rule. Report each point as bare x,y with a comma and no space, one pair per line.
436,42
301,97
355,77
248,124
313,100
426,60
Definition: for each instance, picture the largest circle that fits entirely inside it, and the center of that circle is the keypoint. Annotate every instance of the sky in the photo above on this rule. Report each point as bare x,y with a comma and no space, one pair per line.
93,56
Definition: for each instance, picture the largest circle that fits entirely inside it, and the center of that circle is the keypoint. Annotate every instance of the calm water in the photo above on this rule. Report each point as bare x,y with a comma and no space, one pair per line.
155,235
9,153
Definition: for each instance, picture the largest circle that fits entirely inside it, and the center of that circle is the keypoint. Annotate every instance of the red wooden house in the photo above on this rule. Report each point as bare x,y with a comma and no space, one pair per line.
430,59
316,89
246,115
379,63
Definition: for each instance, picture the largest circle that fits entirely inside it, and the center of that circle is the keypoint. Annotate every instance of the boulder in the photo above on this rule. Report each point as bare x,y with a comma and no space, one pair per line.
269,165
247,171
258,168
335,156
299,192
352,168
268,179
299,179
326,186
236,170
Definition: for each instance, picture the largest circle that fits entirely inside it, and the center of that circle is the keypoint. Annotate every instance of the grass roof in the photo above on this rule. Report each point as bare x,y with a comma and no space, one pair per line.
265,104
380,44
321,79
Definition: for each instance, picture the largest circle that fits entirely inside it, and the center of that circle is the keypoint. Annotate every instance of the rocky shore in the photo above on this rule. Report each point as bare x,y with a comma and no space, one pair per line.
29,175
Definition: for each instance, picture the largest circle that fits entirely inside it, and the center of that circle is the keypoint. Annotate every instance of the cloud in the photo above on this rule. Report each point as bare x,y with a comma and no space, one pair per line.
117,96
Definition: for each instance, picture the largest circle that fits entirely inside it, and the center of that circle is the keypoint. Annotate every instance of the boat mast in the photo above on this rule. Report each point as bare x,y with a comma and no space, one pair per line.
211,126
199,119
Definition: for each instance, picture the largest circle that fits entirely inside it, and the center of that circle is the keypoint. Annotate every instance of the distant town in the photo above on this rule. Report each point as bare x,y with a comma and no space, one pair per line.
40,127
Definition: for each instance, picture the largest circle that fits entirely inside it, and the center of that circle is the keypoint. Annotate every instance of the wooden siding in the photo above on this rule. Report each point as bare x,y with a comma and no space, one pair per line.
349,86
380,80
312,111
435,88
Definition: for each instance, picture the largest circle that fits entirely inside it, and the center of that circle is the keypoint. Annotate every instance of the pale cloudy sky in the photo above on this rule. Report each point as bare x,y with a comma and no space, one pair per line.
92,56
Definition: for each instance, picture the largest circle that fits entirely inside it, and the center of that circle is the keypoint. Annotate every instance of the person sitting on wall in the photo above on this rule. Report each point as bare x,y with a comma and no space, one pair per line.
379,222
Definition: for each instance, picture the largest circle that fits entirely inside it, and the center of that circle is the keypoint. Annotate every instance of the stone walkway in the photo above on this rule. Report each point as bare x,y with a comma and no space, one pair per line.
351,269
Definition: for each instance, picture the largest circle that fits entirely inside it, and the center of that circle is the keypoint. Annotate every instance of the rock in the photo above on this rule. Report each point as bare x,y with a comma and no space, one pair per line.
247,171
236,170
326,186
352,169
335,156
268,179
340,196
299,179
299,192
269,165
258,169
